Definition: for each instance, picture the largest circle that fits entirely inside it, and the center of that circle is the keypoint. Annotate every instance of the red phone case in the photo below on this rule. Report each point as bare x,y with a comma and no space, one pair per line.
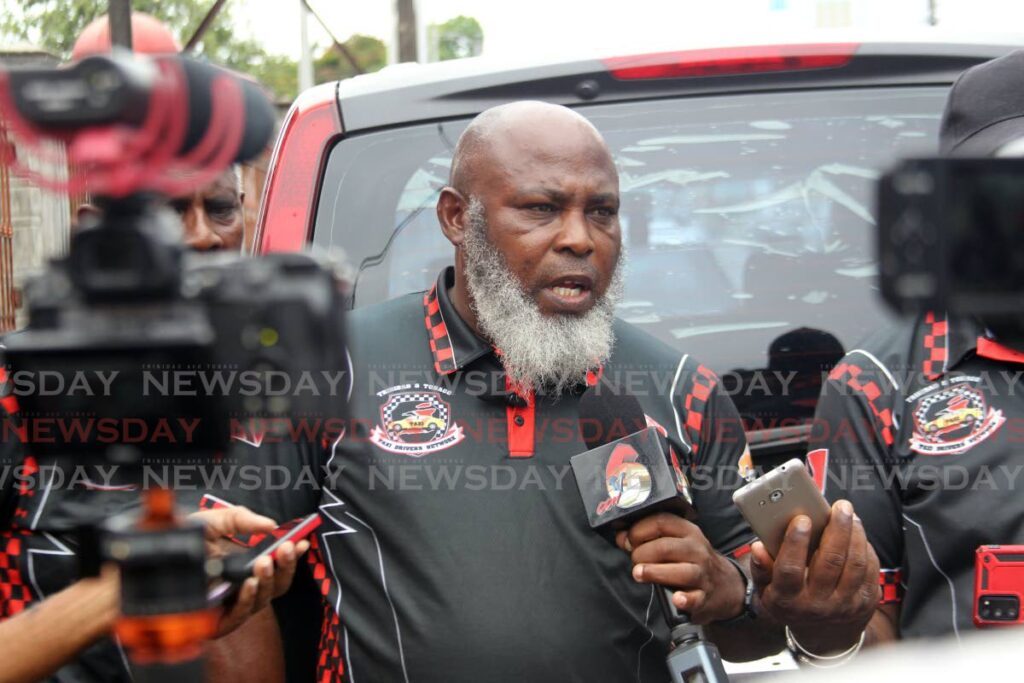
998,585
268,544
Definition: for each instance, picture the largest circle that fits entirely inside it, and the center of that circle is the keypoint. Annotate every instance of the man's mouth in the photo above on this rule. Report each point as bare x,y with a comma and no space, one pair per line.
568,294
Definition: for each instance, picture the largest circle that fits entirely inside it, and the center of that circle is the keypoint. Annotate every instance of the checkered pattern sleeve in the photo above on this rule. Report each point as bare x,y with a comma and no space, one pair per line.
850,455
714,432
11,452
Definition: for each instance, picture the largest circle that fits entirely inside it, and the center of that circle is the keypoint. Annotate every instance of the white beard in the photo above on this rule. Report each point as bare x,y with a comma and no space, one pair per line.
545,353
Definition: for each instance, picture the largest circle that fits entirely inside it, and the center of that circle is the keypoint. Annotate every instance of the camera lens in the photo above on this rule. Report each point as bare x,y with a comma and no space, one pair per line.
775,496
1004,608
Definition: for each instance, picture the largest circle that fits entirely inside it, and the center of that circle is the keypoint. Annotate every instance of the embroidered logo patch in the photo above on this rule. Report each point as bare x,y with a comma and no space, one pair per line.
953,420
415,423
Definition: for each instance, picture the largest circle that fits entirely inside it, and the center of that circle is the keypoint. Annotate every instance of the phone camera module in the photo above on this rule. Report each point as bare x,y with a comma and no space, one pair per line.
1004,608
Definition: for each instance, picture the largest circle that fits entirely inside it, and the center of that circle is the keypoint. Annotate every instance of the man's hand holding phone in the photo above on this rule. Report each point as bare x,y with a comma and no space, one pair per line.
827,598
814,569
271,576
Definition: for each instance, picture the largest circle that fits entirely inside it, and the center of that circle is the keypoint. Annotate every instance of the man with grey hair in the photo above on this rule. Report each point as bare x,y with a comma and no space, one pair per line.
454,544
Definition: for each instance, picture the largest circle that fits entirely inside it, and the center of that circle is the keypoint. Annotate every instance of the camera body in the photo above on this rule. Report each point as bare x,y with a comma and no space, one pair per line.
193,345
998,585
951,237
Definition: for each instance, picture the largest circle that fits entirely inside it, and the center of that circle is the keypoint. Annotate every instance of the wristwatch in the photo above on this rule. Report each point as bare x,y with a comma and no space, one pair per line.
748,611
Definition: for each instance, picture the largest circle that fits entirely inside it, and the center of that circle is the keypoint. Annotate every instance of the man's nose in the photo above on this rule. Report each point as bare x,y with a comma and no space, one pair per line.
199,232
574,235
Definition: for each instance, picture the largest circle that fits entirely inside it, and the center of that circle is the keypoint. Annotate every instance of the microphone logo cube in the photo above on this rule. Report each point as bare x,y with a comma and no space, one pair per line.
623,480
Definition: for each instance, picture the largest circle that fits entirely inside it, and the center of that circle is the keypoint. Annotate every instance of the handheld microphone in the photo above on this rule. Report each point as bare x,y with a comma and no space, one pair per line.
630,472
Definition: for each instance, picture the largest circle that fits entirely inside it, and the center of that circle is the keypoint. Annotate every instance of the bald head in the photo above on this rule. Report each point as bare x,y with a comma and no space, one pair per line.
529,129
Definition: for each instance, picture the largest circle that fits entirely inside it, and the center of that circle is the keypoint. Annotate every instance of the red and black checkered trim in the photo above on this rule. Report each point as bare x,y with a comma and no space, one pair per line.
330,665
850,374
7,399
891,581
15,594
440,341
695,401
26,491
936,346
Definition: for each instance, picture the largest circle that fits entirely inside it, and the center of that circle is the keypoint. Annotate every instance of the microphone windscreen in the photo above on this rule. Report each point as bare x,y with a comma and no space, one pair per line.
606,412
257,119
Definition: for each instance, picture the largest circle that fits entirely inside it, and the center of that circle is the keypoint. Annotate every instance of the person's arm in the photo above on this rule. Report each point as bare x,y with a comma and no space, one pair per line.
248,648
829,599
690,558
669,551
252,653
73,619
67,623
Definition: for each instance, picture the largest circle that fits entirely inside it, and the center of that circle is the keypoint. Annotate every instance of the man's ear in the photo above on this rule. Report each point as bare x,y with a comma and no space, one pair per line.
452,215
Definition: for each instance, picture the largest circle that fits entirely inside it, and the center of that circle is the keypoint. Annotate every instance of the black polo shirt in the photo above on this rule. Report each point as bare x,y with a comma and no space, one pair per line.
922,430
455,546
41,506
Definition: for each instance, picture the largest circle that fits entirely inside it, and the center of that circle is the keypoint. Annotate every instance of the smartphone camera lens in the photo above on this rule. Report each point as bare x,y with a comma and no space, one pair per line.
999,608
775,496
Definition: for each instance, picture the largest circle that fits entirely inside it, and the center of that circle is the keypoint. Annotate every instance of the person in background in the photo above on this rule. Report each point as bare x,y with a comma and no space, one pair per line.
916,406
76,621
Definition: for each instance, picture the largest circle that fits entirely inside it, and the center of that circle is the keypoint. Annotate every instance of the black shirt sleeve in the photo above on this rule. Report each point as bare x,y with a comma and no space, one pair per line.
12,454
718,443
851,451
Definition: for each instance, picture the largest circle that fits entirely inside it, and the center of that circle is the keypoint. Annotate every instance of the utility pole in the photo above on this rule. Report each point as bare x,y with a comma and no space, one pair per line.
119,13
305,58
933,14
204,26
405,13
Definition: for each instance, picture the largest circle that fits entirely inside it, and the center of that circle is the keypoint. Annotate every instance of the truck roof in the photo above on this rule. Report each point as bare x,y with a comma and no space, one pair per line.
409,93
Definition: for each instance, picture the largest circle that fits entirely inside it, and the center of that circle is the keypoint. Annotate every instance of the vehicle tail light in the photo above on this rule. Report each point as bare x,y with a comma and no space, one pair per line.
731,61
293,180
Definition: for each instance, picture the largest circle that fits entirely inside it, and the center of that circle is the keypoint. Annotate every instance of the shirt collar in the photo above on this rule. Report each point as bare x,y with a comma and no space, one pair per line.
990,348
453,343
949,341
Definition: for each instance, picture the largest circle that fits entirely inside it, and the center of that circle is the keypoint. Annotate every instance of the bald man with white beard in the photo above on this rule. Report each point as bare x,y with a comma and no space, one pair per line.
454,546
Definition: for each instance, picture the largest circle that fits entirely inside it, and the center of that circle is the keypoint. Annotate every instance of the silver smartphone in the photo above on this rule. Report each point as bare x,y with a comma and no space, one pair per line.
770,502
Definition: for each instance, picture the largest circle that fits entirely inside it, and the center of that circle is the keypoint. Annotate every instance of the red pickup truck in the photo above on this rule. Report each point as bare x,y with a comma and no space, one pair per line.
747,184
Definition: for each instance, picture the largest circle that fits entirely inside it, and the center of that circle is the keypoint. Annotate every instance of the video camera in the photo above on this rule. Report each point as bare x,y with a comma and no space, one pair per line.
951,237
129,299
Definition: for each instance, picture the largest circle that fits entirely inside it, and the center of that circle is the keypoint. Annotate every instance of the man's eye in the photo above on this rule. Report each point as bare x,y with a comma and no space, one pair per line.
605,211
179,207
222,212
542,208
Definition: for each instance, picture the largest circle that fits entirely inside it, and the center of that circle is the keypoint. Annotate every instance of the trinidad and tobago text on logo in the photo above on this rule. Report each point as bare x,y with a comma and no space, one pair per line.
628,482
415,421
952,420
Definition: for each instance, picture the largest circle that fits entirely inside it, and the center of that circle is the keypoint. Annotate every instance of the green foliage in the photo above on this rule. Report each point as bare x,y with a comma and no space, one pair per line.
369,53
458,37
56,24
